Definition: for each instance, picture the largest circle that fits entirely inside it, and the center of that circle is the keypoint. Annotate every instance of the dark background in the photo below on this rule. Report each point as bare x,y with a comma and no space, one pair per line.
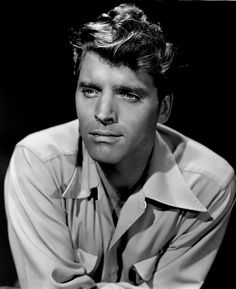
36,86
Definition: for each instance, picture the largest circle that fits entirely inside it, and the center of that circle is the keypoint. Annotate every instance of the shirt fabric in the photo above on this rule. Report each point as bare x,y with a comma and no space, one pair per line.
60,224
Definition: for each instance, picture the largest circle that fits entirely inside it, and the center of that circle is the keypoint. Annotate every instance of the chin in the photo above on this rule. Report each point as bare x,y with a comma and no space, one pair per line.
106,161
105,156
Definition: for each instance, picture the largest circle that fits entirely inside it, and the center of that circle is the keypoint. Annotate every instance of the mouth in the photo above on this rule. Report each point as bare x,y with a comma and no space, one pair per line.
101,136
105,133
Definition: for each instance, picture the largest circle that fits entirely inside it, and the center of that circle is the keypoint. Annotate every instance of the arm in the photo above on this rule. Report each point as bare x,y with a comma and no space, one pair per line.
39,238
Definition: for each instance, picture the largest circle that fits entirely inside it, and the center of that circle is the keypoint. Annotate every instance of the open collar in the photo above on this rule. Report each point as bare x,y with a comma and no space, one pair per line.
164,184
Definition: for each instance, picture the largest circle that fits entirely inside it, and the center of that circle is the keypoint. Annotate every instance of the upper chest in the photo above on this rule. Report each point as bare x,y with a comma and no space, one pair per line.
143,228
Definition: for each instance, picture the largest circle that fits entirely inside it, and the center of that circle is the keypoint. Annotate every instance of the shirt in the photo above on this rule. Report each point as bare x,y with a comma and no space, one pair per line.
60,225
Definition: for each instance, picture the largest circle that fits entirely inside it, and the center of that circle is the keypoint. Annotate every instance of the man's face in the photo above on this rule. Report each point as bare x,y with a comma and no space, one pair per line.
117,110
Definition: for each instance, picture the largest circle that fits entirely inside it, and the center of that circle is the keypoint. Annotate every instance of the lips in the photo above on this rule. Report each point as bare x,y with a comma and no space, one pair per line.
105,133
105,136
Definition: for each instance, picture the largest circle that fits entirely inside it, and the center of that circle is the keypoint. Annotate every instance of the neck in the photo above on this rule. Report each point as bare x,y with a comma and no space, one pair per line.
123,176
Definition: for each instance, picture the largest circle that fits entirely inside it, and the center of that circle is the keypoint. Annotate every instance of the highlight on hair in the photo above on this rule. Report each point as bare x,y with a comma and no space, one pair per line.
125,36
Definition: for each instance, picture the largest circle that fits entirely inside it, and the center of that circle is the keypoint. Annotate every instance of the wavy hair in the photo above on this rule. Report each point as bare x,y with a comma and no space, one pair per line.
125,36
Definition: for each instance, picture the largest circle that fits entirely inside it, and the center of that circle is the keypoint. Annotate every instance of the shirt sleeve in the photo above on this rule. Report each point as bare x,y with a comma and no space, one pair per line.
39,237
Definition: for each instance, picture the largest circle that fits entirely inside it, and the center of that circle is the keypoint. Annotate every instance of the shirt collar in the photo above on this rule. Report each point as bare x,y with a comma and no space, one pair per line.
84,179
165,182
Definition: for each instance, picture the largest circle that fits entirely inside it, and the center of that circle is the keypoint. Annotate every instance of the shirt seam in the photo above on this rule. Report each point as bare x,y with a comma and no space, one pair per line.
47,159
221,186
44,163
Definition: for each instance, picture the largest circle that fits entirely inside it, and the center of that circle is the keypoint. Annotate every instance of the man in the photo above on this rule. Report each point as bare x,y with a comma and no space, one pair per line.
116,199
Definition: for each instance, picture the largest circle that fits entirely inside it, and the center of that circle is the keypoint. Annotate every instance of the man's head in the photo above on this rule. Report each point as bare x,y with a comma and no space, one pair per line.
122,89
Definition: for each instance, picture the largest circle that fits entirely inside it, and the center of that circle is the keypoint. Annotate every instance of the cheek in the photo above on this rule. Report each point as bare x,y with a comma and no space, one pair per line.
143,121
83,118
79,105
83,109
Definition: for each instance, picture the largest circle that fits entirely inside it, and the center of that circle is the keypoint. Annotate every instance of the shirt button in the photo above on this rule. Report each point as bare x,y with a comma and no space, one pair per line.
144,205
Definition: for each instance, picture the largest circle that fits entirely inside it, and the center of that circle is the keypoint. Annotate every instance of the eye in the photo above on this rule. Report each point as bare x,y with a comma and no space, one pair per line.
89,92
130,97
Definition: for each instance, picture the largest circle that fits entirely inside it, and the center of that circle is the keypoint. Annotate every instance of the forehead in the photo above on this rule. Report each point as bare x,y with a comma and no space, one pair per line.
95,68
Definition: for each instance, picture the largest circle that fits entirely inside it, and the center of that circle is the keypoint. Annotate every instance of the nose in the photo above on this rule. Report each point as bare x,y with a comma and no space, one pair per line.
106,111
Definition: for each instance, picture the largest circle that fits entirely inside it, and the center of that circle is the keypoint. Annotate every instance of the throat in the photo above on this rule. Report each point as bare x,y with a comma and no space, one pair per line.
118,181
119,185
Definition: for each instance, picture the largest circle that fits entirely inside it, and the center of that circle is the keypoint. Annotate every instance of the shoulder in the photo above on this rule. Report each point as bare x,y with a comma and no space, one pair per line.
54,141
209,176
46,159
195,159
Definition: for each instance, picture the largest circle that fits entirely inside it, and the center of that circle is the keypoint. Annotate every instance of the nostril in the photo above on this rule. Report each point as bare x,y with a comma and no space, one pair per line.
105,120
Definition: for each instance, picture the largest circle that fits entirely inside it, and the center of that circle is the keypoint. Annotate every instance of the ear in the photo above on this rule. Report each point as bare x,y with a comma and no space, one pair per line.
165,109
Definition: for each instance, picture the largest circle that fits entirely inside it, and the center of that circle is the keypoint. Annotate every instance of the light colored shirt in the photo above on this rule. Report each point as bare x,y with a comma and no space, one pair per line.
61,229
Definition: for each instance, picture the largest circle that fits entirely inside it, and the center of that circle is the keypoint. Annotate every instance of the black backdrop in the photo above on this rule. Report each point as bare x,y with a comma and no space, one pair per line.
36,85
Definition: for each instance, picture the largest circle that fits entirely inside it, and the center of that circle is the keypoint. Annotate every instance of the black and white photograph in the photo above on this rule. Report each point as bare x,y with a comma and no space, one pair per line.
117,147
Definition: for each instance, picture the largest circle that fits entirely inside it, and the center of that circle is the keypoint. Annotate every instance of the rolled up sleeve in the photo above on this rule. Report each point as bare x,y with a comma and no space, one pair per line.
39,237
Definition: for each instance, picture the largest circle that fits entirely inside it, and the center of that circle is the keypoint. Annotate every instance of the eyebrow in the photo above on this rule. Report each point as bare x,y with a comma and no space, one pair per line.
131,89
84,84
